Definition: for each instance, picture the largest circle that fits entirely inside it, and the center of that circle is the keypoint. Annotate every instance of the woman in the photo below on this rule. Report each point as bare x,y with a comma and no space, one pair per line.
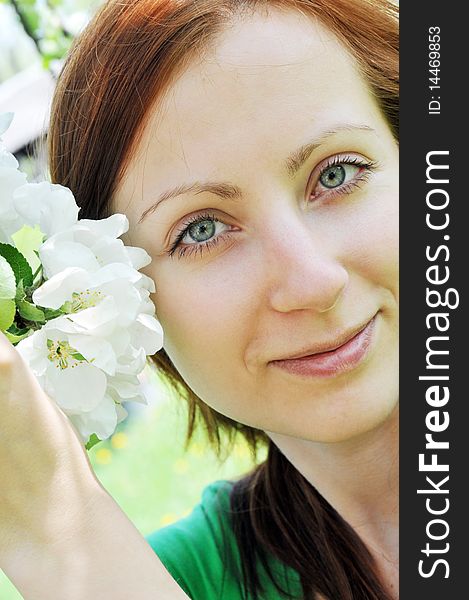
253,147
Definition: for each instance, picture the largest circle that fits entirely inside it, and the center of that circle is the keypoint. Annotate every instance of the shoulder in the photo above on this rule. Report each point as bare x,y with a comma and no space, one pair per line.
202,555
200,550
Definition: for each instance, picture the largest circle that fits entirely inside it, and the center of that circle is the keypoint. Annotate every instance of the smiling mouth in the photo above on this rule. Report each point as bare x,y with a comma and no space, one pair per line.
332,358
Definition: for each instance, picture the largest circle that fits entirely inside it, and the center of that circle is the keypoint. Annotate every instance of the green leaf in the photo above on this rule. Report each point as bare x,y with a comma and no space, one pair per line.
28,240
51,313
94,439
18,263
67,307
30,312
20,293
14,339
7,313
17,331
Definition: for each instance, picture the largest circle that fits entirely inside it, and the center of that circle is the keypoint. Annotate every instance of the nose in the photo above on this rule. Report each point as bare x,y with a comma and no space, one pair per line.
304,274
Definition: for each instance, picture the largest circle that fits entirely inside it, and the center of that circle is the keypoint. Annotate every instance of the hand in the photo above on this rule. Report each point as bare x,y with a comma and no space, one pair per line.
47,480
61,534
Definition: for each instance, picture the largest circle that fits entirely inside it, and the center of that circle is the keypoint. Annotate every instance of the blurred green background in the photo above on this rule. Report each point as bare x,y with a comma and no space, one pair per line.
145,469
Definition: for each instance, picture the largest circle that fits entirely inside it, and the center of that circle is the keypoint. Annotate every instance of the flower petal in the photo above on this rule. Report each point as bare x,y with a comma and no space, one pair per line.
78,389
33,349
122,414
60,287
113,226
5,121
138,257
97,350
147,333
7,280
100,320
49,205
102,420
56,256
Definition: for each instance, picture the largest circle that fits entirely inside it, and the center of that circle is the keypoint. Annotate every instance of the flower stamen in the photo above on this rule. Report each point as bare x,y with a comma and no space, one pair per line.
82,300
64,355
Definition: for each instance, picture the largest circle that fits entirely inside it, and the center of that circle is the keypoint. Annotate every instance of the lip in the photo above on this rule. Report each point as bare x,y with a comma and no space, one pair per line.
333,358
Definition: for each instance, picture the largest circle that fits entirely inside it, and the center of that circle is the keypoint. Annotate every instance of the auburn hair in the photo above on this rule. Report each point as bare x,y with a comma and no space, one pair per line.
116,71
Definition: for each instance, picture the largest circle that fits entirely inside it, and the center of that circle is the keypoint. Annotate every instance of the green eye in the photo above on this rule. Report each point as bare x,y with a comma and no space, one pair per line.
202,230
333,176
341,175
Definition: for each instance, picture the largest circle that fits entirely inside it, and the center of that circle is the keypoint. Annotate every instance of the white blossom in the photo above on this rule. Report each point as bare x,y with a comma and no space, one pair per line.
90,245
101,324
49,205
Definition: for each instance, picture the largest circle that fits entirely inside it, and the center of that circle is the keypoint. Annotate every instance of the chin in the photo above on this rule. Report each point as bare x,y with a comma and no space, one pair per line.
340,419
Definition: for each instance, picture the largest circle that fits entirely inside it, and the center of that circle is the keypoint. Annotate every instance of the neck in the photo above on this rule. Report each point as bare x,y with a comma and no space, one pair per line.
359,478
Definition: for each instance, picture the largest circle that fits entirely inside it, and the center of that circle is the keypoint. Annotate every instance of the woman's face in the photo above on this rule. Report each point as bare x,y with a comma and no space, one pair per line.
279,233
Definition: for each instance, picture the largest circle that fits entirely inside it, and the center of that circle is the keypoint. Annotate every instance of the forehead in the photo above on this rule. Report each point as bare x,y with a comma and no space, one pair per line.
268,83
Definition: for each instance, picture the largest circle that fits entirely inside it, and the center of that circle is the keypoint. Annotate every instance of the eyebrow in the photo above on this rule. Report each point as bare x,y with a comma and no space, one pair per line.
228,191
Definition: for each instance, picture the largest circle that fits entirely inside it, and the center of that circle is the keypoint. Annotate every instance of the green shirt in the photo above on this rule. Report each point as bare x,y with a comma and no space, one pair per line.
201,553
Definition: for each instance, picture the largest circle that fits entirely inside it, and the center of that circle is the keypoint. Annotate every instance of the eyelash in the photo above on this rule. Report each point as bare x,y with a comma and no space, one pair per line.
367,168
192,249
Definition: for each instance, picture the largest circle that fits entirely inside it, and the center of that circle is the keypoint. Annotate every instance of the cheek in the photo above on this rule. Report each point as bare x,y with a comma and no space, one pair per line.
207,314
371,247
